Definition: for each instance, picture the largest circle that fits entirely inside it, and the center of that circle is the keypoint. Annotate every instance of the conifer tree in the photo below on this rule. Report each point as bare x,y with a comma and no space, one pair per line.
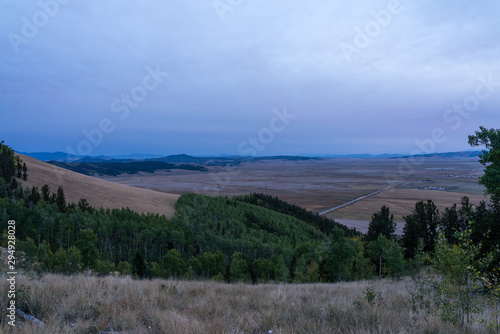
46,193
61,199
25,172
382,223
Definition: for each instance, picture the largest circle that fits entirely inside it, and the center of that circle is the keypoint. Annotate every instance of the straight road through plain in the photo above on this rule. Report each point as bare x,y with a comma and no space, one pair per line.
360,198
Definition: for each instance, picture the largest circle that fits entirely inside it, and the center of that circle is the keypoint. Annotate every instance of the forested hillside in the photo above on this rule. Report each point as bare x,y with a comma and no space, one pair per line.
324,224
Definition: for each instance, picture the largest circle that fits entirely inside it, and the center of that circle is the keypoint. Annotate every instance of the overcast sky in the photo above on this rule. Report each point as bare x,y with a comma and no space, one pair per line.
248,76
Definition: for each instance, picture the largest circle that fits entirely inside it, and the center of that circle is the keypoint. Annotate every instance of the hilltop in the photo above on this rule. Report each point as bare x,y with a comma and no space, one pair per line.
99,193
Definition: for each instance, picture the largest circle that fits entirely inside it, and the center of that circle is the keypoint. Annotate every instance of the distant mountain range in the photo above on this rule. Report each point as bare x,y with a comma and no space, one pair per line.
65,157
222,159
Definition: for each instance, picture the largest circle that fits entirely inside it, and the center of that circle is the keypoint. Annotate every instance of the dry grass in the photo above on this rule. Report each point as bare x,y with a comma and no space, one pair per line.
401,202
319,185
99,193
163,306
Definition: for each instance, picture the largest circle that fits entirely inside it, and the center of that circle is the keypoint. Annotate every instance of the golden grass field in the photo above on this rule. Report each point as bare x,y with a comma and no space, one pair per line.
80,305
98,193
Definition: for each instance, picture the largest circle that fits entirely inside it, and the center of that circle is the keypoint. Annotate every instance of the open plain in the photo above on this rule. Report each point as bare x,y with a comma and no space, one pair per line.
322,184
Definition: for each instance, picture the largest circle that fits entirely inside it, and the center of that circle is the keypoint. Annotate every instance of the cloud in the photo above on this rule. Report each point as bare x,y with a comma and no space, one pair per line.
225,77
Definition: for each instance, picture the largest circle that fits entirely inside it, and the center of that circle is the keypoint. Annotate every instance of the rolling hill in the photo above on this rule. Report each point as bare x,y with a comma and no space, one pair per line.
99,193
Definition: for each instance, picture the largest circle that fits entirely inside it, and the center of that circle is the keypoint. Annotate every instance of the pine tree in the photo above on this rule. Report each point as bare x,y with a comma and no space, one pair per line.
83,204
25,172
422,223
61,199
34,196
382,223
46,193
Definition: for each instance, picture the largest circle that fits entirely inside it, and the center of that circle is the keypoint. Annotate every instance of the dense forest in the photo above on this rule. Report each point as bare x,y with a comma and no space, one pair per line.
252,238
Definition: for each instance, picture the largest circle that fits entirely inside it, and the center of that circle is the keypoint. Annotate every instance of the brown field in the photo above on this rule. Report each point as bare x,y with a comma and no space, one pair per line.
319,185
98,193
82,305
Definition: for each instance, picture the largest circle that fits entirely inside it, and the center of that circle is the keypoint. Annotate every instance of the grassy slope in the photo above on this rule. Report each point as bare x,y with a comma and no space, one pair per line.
99,193
165,306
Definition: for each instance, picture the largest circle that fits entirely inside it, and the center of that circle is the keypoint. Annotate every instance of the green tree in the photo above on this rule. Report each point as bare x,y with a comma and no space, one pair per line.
139,266
83,204
124,268
363,267
450,223
88,249
339,257
46,256
61,199
74,259
377,250
422,223
213,264
460,272
7,162
394,260
281,271
156,270
60,260
34,197
30,250
382,223
173,264
46,193
196,266
25,172
490,158
104,267
239,269
300,270
263,270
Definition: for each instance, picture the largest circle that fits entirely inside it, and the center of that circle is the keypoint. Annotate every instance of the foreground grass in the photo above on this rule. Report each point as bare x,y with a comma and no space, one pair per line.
80,304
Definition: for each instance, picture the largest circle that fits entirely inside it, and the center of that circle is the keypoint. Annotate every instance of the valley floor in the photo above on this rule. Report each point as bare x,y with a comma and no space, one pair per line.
319,185
87,304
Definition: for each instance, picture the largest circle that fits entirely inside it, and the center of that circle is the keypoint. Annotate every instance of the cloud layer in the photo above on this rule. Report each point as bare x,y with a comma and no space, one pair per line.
361,77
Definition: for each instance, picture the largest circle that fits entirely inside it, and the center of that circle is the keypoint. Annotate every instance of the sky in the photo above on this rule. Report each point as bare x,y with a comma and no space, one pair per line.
248,77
